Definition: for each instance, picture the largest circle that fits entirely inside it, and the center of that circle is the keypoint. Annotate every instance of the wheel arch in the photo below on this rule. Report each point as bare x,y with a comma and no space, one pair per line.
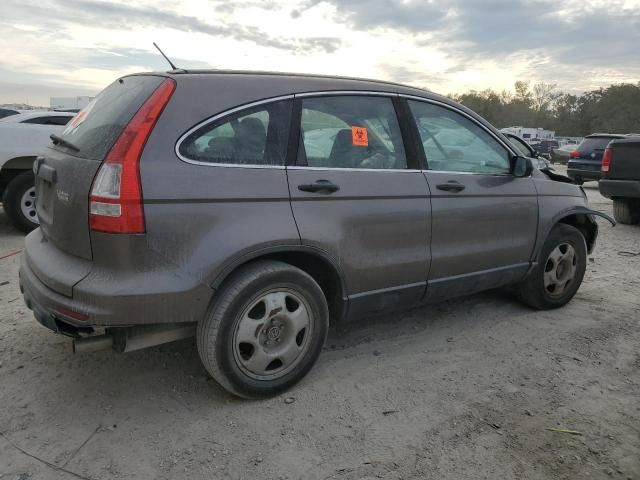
585,224
19,163
316,263
12,168
581,218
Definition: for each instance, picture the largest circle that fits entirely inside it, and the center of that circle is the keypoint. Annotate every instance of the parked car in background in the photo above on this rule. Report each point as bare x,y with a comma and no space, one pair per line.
7,112
561,154
22,138
528,151
585,161
621,178
545,147
253,219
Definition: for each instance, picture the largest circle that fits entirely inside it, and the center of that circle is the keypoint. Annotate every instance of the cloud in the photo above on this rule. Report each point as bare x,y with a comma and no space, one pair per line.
106,14
444,45
570,32
410,74
415,16
31,93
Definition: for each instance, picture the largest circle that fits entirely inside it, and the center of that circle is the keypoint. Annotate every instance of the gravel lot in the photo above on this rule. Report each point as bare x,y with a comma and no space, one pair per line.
462,389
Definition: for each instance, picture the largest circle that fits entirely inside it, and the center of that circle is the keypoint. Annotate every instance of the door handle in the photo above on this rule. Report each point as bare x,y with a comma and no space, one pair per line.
451,186
319,186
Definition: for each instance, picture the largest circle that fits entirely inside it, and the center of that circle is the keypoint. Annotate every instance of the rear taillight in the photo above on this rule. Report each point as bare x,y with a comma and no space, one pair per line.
574,154
607,158
115,201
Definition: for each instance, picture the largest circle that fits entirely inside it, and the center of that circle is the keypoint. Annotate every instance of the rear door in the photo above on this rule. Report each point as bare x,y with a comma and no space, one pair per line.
357,197
65,173
484,218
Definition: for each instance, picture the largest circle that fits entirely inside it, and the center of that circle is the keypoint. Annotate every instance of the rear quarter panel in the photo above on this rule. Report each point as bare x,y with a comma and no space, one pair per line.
201,218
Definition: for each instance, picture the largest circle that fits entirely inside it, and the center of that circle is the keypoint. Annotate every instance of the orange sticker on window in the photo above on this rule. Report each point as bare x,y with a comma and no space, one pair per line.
359,136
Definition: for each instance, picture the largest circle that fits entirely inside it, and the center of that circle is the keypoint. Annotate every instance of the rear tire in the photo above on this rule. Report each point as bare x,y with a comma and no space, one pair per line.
626,211
557,277
264,330
19,202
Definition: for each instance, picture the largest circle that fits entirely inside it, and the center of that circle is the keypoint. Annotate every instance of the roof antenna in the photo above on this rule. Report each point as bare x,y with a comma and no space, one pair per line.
165,57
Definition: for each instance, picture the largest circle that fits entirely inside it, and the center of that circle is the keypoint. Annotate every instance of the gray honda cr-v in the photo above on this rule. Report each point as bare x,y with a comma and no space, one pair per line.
253,209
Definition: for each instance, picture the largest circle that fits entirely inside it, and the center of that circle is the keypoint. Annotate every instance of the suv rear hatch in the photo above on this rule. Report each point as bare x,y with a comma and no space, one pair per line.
589,153
65,175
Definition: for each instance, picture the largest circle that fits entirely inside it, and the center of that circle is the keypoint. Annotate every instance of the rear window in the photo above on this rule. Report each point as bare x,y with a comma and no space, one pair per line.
48,120
95,129
590,144
7,113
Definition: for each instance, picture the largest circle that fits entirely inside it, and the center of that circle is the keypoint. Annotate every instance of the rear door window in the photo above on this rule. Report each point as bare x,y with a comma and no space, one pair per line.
96,127
60,120
5,112
351,132
256,136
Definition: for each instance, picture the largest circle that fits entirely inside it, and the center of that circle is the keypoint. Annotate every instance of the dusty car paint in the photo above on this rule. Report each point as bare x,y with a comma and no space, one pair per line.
386,239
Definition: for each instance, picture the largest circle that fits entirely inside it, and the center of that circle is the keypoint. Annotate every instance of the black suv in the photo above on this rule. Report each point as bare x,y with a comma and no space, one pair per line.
585,161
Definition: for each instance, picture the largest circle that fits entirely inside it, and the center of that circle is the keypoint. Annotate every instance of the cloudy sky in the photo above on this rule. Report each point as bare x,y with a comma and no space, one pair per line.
76,47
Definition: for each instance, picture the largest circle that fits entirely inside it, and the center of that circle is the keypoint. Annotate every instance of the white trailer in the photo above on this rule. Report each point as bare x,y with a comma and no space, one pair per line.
531,134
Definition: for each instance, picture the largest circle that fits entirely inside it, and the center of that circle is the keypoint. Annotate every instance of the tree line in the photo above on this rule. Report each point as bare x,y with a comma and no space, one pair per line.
615,109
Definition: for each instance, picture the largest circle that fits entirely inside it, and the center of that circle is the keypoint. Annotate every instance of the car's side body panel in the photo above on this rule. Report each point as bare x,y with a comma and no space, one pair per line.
198,216
377,226
24,139
486,231
203,221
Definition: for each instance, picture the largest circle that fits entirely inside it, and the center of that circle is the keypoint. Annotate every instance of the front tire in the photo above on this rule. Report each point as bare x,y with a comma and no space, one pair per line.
626,211
264,330
557,277
19,202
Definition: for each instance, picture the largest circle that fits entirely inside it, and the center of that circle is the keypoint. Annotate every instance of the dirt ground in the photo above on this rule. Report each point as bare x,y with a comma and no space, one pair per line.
463,389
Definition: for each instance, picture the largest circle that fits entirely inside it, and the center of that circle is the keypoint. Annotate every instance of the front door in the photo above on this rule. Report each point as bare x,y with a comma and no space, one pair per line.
356,198
484,218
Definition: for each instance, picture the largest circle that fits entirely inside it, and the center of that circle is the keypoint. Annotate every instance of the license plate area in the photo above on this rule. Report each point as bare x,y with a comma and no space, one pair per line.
44,200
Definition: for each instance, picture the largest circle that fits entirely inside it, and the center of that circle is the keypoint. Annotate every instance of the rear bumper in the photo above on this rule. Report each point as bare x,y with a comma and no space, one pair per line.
620,188
47,305
574,172
105,298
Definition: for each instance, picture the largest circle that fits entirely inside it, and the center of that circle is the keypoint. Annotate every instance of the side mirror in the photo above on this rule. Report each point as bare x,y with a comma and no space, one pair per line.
521,167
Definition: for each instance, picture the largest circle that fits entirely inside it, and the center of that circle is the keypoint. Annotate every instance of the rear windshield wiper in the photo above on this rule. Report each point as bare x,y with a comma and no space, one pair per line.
65,143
